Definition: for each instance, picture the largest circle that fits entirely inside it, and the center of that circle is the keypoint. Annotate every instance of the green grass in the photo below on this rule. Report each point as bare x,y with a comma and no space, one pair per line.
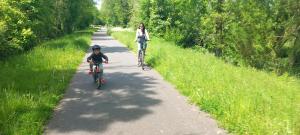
32,83
242,99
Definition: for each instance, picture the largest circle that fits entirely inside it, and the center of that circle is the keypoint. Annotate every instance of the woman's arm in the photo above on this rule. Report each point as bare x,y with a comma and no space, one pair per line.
136,35
147,35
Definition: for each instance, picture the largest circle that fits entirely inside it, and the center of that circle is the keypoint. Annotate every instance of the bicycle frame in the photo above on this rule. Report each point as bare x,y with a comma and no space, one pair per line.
98,75
141,55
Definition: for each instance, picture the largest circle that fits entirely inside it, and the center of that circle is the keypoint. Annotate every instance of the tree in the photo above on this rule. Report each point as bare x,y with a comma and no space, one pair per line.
25,23
262,34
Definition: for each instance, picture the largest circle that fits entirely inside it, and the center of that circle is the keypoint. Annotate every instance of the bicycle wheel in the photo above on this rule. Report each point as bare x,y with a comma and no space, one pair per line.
95,76
139,58
99,79
142,59
99,83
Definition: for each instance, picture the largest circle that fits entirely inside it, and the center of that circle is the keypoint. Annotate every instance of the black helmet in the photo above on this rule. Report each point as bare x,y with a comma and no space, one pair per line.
96,47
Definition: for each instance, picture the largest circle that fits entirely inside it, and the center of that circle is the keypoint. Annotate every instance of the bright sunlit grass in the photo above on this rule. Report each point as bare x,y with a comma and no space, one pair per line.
242,99
32,84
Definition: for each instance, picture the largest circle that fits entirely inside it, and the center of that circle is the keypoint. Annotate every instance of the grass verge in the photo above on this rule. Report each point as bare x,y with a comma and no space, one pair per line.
243,100
32,83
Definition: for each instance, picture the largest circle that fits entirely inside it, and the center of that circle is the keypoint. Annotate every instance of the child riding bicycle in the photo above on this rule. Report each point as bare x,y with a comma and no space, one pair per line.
96,58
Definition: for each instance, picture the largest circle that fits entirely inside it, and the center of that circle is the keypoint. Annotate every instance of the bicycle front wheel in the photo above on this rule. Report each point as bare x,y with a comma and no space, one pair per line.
142,59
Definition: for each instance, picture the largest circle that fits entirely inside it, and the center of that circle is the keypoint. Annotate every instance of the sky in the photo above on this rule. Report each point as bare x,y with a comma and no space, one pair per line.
98,3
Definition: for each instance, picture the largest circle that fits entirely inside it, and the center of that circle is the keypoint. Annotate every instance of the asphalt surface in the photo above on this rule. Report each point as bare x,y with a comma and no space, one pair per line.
132,102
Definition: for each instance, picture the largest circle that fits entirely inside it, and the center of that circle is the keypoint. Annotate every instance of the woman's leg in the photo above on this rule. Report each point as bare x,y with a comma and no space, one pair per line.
139,45
145,47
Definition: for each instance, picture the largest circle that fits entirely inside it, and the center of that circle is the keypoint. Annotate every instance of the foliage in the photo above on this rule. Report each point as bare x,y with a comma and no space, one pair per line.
243,100
24,23
32,83
117,12
262,34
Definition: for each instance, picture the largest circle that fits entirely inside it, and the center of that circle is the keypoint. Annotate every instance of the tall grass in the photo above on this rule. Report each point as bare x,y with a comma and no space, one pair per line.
33,83
242,99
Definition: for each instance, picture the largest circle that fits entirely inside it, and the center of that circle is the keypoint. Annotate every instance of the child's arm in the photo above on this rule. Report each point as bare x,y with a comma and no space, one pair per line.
105,57
89,58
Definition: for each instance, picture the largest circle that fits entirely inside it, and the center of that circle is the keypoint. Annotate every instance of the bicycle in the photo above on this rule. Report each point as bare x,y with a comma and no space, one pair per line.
98,75
141,55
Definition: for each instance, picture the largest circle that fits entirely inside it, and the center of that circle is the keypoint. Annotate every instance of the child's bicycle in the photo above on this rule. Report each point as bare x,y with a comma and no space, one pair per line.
98,75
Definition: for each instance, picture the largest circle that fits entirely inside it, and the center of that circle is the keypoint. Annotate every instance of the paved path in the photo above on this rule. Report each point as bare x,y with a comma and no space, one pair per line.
133,102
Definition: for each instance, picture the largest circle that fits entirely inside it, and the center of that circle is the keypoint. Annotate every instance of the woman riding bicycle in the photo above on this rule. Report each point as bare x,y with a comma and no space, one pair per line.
142,37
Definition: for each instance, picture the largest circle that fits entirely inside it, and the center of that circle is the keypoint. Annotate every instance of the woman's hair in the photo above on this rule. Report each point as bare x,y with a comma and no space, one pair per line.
143,29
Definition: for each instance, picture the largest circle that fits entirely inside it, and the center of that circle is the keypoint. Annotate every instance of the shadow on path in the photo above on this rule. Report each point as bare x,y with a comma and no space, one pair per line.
124,98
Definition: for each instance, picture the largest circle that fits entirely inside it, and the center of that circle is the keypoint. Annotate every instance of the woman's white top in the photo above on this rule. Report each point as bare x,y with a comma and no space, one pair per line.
140,33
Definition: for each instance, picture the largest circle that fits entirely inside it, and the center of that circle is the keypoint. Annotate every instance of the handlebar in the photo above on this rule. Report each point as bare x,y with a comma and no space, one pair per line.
145,40
94,63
